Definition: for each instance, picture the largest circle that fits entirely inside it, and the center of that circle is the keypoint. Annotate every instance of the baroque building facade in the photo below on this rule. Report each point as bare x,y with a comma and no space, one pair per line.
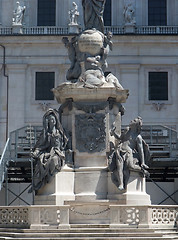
144,59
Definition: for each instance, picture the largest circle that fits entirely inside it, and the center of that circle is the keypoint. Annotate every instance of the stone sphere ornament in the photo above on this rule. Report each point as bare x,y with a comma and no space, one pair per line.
91,41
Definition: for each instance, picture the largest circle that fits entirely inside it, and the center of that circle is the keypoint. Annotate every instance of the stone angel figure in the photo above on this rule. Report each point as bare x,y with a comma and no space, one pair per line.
49,151
18,14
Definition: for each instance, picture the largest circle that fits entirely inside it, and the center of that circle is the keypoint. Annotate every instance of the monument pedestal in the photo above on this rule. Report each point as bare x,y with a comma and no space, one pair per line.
73,28
135,193
87,115
60,189
17,28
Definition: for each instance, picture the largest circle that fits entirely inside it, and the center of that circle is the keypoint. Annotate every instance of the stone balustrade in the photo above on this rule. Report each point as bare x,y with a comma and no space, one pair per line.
55,217
116,30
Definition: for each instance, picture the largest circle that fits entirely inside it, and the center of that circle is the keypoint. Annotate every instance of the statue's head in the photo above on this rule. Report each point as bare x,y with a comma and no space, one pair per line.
50,119
74,4
136,124
109,35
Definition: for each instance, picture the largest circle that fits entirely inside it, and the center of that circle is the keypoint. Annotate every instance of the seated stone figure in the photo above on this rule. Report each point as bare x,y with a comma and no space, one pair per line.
130,153
49,151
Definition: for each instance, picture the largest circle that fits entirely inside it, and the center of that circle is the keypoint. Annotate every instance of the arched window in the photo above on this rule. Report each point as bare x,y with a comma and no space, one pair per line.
46,13
157,12
107,13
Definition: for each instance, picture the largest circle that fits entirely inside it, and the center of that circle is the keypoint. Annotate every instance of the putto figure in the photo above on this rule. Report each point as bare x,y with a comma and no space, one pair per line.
18,14
49,151
130,153
93,14
73,14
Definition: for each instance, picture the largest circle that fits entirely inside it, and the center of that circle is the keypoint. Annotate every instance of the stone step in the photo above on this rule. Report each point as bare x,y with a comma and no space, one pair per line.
95,238
85,235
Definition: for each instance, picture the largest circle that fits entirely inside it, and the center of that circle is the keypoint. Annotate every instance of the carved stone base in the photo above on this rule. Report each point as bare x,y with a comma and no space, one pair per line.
73,28
90,184
135,194
60,189
129,28
17,29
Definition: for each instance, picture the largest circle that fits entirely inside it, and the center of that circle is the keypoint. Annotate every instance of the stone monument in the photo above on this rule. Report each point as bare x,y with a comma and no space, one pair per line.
99,165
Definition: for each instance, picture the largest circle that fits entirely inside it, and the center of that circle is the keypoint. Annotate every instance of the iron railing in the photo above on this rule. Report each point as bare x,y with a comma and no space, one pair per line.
22,141
3,163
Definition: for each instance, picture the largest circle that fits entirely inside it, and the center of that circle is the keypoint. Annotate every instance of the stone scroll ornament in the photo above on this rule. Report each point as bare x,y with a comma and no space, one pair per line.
130,153
49,151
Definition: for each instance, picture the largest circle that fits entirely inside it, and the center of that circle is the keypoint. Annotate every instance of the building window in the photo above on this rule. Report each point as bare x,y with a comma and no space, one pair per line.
158,86
43,85
107,13
46,13
157,12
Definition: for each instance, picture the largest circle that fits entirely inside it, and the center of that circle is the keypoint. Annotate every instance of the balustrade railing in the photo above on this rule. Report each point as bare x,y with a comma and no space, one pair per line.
116,30
152,216
156,30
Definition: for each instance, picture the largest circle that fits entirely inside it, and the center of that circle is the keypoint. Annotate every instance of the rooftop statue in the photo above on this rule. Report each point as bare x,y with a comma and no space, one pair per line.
18,14
93,14
131,153
49,151
129,12
73,14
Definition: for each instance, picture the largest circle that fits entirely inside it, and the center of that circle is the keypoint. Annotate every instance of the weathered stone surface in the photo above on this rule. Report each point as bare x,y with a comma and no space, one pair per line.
91,41
78,93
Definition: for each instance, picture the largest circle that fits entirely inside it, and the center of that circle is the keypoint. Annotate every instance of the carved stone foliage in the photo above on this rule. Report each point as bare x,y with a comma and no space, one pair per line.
90,132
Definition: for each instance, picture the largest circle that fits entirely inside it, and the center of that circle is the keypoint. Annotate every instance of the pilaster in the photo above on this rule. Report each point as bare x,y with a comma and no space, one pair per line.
16,95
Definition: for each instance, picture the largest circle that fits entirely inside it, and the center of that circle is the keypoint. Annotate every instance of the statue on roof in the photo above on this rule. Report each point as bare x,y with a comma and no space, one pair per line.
18,14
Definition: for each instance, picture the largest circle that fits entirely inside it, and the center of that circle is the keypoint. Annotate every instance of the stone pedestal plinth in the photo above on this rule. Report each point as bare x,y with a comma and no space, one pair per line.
73,28
135,194
87,116
60,189
17,29
129,28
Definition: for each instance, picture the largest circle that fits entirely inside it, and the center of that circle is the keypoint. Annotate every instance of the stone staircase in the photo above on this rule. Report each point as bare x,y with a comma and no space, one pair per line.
87,232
